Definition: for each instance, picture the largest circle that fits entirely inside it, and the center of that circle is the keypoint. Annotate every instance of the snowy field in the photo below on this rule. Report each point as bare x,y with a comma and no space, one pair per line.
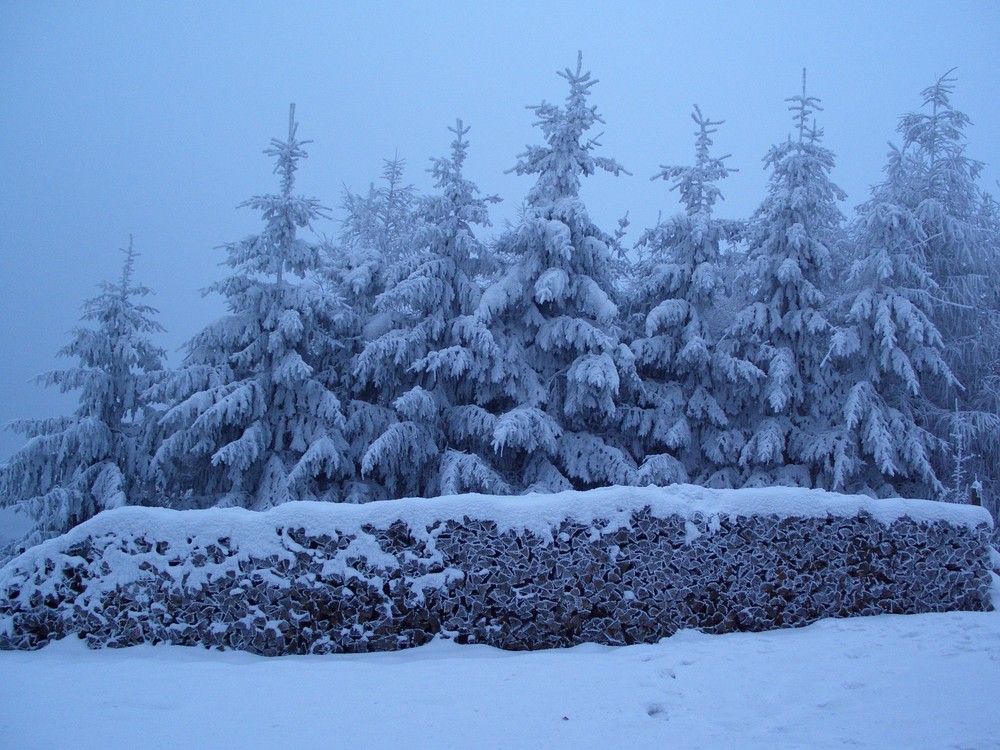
918,681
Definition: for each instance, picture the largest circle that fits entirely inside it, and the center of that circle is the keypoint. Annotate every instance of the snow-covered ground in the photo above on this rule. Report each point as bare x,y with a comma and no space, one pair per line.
917,681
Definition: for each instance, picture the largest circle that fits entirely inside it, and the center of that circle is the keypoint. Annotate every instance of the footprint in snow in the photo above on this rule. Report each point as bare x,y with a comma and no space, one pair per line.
656,711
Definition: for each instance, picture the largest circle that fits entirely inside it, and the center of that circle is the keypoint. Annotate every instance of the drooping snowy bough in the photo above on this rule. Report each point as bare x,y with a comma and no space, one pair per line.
615,566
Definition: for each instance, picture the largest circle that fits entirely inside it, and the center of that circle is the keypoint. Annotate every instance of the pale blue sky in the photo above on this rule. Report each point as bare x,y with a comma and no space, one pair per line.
149,118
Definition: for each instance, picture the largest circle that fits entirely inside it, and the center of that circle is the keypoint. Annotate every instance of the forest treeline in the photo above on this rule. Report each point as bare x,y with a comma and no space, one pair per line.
410,357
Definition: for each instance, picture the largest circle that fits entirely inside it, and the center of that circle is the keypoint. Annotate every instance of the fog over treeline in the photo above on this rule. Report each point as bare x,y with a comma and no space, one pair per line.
123,121
414,354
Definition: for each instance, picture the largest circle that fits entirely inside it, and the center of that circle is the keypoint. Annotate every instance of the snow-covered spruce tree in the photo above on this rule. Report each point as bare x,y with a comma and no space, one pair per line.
562,372
689,380
887,352
783,330
383,220
934,179
251,420
429,367
74,467
376,237
984,469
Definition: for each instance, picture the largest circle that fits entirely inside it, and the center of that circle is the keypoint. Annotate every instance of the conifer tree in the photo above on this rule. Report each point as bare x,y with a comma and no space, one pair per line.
383,220
378,230
934,179
888,353
375,239
74,467
690,381
689,378
784,330
253,420
986,396
562,372
376,233
429,366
